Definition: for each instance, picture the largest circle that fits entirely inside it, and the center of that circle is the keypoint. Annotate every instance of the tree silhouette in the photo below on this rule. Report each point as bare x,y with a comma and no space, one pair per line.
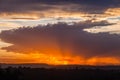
76,73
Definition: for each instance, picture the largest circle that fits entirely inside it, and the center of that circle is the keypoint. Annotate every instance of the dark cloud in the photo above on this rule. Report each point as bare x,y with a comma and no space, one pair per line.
62,38
86,6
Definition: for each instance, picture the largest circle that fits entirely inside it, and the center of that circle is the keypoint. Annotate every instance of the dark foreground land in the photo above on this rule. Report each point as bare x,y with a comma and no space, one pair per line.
60,73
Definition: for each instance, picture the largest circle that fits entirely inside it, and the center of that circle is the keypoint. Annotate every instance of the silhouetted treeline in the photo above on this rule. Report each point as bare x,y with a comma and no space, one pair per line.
24,73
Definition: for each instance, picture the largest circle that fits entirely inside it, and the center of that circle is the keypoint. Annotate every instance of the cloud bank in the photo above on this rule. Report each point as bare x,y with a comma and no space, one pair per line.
63,38
38,7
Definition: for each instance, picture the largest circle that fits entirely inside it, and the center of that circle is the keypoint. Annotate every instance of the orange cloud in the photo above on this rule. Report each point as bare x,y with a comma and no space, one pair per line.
56,59
56,13
62,43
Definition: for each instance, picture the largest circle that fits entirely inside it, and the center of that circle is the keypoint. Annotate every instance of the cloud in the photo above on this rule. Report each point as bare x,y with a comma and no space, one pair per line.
57,6
63,38
113,29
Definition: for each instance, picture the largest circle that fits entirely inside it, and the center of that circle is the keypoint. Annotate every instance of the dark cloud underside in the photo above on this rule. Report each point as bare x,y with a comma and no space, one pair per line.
85,6
62,38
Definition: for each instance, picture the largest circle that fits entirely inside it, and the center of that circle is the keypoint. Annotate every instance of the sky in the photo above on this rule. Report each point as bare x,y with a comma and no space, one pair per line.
85,32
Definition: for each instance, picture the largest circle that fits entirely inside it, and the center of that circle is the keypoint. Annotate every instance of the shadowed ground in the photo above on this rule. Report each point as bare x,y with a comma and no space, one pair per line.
71,73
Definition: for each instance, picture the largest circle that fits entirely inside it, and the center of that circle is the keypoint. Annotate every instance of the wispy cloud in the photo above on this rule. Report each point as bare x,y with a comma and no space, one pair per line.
38,8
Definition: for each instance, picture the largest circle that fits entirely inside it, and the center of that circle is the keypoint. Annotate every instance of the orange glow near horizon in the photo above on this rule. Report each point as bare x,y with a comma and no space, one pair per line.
58,59
67,60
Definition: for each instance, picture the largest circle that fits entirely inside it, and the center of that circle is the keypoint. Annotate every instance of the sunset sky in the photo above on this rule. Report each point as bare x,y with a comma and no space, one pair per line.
85,32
